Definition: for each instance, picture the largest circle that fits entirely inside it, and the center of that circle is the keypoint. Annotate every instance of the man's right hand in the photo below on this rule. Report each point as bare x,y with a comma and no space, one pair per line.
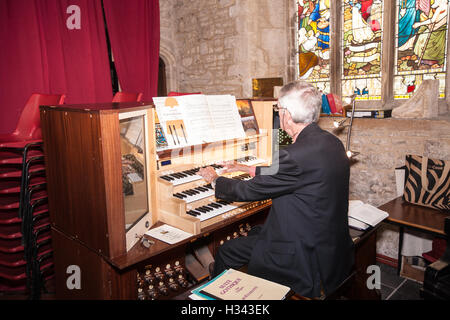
233,166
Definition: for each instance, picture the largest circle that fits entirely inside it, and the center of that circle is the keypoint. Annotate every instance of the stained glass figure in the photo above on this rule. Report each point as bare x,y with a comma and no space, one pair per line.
362,48
313,42
421,45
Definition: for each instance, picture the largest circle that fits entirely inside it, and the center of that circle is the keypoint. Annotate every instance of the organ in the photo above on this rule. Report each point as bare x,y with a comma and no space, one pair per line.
109,181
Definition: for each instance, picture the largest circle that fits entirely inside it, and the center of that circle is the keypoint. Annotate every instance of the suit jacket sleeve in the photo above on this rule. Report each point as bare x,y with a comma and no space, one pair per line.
284,180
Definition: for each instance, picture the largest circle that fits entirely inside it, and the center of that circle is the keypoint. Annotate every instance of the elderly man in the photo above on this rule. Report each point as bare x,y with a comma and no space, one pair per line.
305,242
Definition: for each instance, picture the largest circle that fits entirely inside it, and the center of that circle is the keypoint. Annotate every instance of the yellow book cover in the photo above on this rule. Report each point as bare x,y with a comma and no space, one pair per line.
237,285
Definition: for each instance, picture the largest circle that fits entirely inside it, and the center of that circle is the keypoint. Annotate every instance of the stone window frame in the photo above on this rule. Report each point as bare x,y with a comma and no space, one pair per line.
387,63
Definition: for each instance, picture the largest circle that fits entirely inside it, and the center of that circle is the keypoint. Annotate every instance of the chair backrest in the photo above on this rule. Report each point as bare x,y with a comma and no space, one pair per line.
127,97
29,125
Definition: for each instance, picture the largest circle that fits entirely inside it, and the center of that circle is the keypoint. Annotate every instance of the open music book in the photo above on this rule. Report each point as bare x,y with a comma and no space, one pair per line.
363,215
197,118
236,285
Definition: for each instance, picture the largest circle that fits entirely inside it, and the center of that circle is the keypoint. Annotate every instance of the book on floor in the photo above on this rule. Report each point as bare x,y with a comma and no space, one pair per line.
236,285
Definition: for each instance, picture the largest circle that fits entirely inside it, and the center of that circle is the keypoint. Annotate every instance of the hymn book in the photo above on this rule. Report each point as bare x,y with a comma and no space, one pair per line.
237,285
197,119
363,215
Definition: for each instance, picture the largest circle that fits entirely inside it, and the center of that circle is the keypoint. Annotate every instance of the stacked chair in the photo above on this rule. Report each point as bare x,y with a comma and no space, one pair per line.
127,97
26,262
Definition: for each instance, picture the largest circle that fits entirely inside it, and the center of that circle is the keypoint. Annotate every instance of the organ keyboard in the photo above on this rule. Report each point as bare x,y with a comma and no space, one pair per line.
186,193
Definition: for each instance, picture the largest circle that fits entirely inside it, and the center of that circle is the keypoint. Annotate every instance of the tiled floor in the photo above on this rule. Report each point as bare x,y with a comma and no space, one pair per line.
394,287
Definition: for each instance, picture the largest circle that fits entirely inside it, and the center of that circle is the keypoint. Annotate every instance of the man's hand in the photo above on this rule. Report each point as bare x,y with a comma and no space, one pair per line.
208,173
233,166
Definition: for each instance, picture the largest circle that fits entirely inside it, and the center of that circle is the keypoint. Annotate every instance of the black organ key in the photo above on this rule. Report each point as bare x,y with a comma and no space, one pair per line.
193,213
201,210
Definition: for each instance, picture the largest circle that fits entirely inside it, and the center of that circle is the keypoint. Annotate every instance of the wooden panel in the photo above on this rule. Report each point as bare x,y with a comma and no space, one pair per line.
365,255
112,171
75,178
99,280
264,113
93,279
151,166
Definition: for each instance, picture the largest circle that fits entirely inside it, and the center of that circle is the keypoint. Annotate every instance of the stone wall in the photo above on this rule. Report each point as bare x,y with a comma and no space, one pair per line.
219,46
383,144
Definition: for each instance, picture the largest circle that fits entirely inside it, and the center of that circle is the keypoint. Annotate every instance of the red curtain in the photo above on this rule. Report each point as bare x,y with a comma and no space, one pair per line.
133,29
40,53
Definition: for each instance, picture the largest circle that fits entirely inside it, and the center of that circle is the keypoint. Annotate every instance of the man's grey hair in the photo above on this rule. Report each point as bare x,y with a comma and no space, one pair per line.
302,100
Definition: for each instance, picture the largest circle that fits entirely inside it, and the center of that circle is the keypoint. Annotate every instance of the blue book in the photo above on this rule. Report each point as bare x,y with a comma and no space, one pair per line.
325,105
197,292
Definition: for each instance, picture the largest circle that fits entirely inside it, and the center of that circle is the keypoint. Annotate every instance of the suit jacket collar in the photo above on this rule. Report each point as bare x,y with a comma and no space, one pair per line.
309,129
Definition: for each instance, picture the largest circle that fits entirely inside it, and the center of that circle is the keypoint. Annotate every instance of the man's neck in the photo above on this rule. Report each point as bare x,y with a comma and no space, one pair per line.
298,128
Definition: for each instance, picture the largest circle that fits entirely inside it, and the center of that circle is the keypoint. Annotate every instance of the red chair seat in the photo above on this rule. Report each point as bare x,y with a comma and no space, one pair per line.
127,97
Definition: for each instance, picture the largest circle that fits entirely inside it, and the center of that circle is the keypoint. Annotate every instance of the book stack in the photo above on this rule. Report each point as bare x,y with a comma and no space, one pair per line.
369,113
331,104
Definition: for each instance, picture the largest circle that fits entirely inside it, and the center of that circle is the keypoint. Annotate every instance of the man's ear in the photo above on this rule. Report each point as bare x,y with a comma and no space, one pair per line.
288,117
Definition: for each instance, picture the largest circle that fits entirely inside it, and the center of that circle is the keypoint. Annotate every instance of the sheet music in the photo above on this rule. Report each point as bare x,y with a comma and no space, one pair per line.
168,234
171,114
196,119
225,116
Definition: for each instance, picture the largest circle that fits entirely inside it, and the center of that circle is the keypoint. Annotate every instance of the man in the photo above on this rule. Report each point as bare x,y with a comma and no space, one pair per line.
305,242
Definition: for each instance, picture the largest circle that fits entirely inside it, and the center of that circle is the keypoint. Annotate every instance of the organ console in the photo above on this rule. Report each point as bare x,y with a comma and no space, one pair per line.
109,181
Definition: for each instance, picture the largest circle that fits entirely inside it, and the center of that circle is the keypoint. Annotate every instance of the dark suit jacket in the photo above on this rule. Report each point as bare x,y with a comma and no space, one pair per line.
305,241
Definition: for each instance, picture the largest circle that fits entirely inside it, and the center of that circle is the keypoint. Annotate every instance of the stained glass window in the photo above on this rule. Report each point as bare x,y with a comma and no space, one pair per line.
313,42
362,48
420,48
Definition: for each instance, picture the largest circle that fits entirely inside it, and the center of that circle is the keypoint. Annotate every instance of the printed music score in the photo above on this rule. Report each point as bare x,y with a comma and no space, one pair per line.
196,119
236,285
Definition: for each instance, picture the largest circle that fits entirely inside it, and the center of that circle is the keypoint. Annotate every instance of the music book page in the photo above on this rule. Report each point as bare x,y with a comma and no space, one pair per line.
365,212
168,234
237,285
197,118
226,118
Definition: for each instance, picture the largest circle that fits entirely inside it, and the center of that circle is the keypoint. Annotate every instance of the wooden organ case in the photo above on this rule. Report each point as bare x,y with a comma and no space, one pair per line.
108,184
